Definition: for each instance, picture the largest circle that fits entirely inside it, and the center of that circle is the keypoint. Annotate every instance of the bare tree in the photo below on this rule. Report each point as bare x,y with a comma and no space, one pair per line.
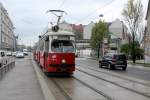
133,15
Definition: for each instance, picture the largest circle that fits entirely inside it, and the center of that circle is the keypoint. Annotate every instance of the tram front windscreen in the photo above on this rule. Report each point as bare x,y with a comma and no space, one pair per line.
63,46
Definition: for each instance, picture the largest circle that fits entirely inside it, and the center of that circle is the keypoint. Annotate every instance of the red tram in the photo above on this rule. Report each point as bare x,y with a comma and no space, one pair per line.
56,52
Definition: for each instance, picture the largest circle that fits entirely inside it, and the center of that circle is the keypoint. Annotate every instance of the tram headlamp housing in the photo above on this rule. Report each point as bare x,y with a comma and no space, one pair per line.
63,61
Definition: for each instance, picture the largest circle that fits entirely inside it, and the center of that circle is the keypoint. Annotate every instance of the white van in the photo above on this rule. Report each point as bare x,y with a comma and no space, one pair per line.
25,51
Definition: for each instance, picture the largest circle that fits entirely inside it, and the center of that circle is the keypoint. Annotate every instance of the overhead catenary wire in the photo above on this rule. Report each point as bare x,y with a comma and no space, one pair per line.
51,22
44,29
57,8
61,5
90,14
84,18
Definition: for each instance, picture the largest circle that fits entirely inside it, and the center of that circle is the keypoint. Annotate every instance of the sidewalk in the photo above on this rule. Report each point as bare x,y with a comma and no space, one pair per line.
139,64
21,83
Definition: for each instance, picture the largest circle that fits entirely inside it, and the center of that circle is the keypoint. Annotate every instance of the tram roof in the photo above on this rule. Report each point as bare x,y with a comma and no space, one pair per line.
61,32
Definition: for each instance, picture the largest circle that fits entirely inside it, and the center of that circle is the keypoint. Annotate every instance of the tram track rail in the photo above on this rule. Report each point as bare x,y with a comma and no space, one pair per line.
96,90
68,97
83,83
114,83
114,75
61,90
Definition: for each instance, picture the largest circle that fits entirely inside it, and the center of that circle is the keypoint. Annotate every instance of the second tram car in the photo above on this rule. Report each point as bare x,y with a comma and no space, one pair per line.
56,52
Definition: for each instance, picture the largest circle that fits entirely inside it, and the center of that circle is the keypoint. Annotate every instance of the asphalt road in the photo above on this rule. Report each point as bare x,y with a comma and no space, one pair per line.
93,85
132,70
85,84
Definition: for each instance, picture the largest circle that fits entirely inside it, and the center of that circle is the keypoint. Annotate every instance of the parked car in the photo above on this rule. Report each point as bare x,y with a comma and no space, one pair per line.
9,53
3,58
19,54
14,54
114,60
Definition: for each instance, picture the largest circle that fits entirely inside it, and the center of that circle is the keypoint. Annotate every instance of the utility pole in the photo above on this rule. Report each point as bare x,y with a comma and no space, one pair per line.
145,40
133,47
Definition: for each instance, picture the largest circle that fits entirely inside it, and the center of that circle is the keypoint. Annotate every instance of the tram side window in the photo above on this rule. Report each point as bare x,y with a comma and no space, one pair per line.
42,46
56,47
47,45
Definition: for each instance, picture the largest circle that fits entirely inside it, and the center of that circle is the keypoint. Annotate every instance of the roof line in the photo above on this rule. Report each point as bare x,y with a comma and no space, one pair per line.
148,7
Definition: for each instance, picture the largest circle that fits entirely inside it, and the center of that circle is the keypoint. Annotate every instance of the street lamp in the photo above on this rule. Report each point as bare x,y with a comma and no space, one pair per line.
100,44
98,49
118,44
101,15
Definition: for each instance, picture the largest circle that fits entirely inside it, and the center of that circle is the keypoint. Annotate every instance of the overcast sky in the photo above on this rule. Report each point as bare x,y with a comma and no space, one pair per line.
30,18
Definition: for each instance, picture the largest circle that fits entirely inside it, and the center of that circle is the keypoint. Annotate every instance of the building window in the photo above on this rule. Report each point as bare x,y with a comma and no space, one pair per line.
3,40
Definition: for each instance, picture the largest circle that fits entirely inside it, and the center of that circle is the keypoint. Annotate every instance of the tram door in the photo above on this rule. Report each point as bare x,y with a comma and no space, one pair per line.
46,50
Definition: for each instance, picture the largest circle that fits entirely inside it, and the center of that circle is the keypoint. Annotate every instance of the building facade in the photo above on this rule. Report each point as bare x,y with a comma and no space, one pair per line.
6,30
118,34
65,26
87,31
147,36
78,31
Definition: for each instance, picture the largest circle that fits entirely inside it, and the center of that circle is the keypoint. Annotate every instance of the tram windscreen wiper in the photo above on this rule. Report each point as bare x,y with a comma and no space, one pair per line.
68,49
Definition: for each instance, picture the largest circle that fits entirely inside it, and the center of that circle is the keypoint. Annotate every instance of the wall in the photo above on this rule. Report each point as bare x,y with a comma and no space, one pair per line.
87,31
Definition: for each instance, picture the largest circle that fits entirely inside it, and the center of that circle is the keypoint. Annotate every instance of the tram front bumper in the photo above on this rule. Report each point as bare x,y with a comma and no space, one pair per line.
61,65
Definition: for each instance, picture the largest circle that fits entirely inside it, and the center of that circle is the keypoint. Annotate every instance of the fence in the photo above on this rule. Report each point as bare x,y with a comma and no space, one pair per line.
4,69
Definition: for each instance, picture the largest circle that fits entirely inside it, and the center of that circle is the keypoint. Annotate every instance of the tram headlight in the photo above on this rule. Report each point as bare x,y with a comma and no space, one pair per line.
63,61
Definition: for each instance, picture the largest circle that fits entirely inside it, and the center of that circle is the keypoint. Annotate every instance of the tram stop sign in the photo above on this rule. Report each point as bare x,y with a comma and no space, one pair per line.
55,28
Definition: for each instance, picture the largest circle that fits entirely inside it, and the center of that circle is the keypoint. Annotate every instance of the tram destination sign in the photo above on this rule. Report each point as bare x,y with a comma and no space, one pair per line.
63,38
